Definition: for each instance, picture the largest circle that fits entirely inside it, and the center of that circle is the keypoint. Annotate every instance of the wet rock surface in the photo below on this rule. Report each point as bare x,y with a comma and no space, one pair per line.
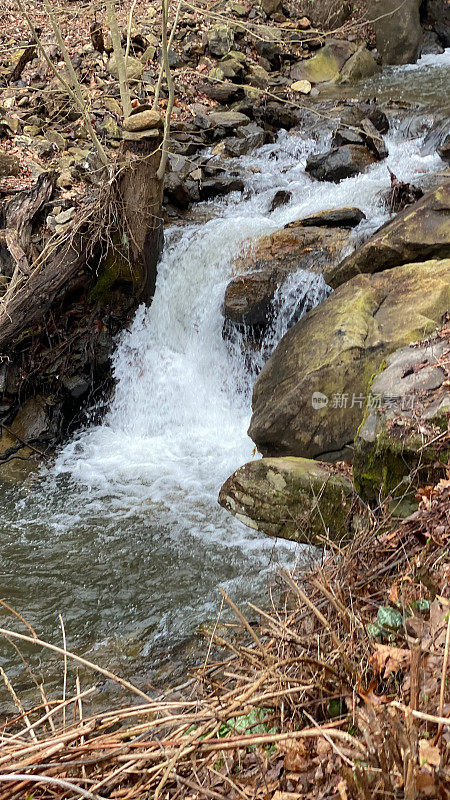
339,163
249,295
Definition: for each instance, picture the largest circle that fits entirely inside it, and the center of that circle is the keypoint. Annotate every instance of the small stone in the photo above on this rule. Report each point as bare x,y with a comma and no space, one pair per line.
220,40
56,138
31,130
134,68
42,146
258,76
304,23
148,54
13,123
65,216
65,180
9,164
76,385
142,121
304,87
112,105
136,136
216,74
281,198
109,128
239,9
226,119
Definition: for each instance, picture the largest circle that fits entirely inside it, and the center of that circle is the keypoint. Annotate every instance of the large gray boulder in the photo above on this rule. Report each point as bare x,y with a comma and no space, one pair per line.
397,30
309,398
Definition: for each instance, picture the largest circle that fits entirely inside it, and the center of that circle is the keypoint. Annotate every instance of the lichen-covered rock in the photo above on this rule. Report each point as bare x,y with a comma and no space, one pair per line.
294,498
326,64
399,445
420,231
309,398
220,40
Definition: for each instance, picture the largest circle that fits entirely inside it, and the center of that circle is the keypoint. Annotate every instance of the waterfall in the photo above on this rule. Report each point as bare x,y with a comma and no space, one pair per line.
126,522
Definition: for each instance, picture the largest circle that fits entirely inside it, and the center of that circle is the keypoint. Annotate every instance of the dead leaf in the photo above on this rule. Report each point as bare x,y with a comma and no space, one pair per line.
369,696
428,753
388,660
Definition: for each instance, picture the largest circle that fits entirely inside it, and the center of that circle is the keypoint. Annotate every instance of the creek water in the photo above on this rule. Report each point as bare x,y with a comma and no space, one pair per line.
123,535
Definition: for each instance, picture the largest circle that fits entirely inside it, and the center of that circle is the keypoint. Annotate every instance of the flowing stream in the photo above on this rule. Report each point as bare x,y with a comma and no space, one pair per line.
123,535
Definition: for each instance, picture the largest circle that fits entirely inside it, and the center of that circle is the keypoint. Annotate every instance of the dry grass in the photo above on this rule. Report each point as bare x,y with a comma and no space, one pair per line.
309,703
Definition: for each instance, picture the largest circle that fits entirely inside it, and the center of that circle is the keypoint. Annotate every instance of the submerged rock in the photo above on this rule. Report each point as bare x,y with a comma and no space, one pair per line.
339,163
310,396
399,446
280,198
420,231
294,498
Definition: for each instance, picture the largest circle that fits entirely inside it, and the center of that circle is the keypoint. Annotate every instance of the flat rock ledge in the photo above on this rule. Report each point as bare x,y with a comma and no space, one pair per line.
294,498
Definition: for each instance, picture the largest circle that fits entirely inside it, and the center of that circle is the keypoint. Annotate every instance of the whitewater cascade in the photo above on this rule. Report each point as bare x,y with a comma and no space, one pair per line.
133,501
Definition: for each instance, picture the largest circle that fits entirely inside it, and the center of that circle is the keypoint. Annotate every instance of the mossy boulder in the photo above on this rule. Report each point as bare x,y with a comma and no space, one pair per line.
419,232
294,498
309,398
326,64
399,445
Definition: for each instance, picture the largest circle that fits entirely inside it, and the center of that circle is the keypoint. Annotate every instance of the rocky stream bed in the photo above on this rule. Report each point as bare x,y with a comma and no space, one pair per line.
294,258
